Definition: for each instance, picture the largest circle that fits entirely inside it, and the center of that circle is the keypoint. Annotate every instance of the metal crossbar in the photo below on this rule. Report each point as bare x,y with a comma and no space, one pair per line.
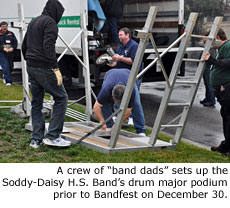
69,112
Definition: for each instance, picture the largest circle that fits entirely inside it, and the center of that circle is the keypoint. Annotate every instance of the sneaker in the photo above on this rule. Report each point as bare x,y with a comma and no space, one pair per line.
8,84
142,134
130,122
59,142
35,143
4,81
114,118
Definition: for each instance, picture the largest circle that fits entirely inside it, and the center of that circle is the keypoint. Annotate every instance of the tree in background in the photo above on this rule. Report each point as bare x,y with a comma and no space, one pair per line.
205,8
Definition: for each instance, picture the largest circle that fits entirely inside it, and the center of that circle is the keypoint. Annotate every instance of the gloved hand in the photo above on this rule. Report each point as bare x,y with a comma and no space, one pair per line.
59,76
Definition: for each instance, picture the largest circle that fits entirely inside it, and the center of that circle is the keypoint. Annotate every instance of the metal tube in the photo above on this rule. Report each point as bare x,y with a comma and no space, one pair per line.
160,61
76,101
161,55
72,52
201,36
99,126
63,53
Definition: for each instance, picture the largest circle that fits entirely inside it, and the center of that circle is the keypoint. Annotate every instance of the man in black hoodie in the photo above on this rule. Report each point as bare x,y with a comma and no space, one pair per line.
38,49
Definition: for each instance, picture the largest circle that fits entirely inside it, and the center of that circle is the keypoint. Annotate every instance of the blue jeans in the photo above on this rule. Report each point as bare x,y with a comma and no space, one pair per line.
7,66
209,94
137,113
112,21
41,81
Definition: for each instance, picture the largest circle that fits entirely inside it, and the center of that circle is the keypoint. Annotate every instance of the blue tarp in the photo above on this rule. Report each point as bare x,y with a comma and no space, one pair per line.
94,5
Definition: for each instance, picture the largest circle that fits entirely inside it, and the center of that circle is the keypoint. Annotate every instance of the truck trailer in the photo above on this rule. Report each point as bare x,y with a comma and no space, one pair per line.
167,28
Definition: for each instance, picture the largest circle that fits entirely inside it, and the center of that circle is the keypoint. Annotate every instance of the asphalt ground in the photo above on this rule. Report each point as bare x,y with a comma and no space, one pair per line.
204,125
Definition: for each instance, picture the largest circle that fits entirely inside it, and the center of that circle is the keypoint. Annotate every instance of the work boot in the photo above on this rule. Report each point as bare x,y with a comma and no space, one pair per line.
203,101
220,149
216,149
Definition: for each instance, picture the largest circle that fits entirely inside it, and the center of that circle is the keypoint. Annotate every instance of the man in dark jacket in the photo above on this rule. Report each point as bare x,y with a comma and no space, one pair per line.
220,82
8,44
113,9
39,52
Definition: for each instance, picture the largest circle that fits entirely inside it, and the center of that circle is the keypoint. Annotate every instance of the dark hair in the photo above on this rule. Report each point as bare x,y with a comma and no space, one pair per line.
118,91
126,31
3,23
222,34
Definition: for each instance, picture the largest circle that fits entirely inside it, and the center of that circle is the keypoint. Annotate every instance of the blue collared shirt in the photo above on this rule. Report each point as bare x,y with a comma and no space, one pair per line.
129,50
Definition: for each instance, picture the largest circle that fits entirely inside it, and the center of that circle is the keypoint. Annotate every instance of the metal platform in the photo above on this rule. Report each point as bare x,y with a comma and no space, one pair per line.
88,133
127,141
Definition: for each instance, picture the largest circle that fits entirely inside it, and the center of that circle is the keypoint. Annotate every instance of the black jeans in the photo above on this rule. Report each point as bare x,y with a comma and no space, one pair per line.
223,97
42,80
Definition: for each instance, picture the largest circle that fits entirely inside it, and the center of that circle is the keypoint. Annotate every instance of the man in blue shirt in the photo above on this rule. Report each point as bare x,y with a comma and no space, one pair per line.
124,58
8,44
126,51
112,91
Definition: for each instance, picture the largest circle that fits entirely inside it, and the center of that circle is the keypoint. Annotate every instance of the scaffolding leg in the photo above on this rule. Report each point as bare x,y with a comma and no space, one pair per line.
25,79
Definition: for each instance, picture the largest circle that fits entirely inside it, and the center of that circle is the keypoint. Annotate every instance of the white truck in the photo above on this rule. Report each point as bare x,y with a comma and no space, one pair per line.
168,26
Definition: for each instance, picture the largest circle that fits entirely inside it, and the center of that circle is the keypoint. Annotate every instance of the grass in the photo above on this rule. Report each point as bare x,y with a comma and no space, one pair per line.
14,145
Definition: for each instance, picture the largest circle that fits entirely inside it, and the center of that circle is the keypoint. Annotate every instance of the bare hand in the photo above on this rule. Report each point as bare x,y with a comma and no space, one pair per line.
6,50
116,57
111,131
113,64
10,50
206,56
103,127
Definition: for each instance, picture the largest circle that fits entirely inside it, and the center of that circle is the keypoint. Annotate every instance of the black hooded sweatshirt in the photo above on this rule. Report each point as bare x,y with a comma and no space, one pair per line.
38,46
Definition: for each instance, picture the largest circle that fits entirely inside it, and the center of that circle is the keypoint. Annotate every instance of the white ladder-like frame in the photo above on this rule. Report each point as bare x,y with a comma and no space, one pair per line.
172,80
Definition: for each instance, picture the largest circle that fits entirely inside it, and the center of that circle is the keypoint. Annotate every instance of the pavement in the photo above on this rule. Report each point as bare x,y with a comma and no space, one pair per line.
204,125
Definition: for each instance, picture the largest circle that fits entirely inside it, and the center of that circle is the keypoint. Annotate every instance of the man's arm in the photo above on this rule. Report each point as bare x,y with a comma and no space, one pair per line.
98,112
127,113
217,62
49,41
116,58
